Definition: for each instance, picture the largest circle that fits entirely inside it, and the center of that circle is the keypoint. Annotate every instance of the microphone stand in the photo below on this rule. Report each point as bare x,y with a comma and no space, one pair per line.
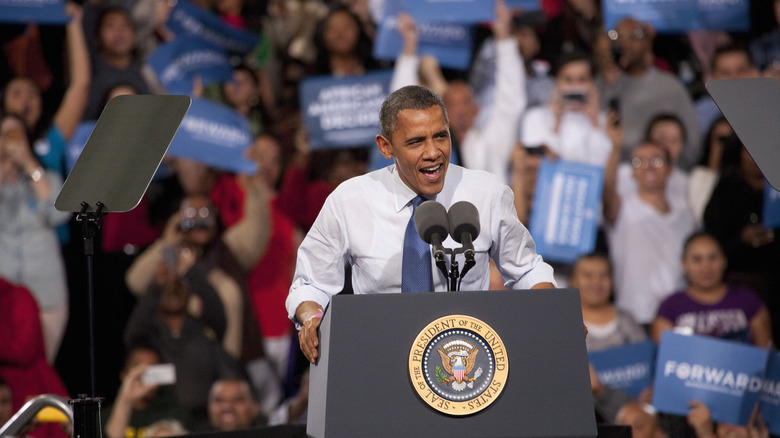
441,263
453,274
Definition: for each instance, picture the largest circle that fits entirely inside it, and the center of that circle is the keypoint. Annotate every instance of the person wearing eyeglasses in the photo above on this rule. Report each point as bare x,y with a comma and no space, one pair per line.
645,230
668,131
641,90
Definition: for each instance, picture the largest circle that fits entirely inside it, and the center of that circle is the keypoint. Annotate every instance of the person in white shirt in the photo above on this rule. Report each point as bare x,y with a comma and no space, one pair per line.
363,222
571,126
645,230
488,146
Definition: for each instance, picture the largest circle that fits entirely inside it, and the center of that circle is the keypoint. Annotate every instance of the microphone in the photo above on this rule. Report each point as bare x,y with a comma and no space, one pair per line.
432,225
464,226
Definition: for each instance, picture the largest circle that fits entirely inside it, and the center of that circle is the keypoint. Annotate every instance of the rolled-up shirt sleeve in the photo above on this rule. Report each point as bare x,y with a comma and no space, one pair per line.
514,250
319,270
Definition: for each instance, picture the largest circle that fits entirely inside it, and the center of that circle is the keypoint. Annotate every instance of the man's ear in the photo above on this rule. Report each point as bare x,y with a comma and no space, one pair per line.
384,146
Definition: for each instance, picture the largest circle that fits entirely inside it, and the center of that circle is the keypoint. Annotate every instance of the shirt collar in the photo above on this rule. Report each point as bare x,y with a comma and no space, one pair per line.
403,195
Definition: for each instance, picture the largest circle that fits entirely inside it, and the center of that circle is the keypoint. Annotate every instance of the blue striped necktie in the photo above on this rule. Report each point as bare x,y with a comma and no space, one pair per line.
416,273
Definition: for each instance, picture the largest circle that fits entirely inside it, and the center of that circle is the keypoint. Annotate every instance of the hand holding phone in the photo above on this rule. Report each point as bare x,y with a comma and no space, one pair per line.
575,96
162,374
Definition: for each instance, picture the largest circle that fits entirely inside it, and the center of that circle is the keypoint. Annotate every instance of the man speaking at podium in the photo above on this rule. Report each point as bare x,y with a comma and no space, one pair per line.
368,221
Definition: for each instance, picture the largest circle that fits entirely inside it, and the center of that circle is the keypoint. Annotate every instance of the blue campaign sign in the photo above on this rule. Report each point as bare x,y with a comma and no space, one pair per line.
450,43
79,139
525,5
216,135
77,142
727,376
771,211
567,202
731,16
629,368
770,395
343,112
189,19
33,11
663,15
681,15
179,61
450,11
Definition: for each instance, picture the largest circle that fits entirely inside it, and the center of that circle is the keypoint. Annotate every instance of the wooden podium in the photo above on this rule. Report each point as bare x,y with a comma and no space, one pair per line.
378,353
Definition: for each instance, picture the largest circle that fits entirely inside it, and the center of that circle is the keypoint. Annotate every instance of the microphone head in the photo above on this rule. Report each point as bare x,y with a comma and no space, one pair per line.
463,218
431,218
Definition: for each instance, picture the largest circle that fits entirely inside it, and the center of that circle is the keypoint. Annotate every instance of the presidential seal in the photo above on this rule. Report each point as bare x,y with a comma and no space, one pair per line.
458,365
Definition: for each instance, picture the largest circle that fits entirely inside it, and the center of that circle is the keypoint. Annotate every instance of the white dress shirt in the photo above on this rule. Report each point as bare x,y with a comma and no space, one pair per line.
363,223
576,140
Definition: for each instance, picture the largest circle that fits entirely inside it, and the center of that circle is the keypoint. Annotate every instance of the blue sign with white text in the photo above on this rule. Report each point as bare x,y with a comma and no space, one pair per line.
77,142
216,135
730,16
726,376
450,11
179,61
449,43
33,11
663,15
343,112
524,5
680,15
629,368
567,202
188,19
771,210
770,395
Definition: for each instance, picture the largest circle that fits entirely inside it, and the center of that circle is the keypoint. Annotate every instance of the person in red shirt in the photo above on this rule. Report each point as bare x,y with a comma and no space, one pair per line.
23,362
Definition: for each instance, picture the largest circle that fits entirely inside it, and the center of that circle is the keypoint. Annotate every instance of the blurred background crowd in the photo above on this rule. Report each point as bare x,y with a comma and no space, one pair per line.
198,273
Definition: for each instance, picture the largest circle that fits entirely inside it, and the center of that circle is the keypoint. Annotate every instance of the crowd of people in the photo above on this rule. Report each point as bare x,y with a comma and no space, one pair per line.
198,273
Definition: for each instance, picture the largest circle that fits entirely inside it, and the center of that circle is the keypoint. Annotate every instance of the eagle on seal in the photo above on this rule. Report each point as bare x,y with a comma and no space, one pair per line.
458,361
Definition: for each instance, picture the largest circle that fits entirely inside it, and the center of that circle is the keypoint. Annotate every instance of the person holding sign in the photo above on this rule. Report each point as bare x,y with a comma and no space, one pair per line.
21,95
709,306
643,420
488,146
700,420
364,221
411,69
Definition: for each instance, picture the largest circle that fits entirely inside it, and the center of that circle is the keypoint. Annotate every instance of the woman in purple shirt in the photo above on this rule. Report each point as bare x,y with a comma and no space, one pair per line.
709,306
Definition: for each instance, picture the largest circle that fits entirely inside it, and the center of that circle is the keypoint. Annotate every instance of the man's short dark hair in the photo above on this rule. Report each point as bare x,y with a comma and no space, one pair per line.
412,97
231,378
666,117
728,49
574,56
